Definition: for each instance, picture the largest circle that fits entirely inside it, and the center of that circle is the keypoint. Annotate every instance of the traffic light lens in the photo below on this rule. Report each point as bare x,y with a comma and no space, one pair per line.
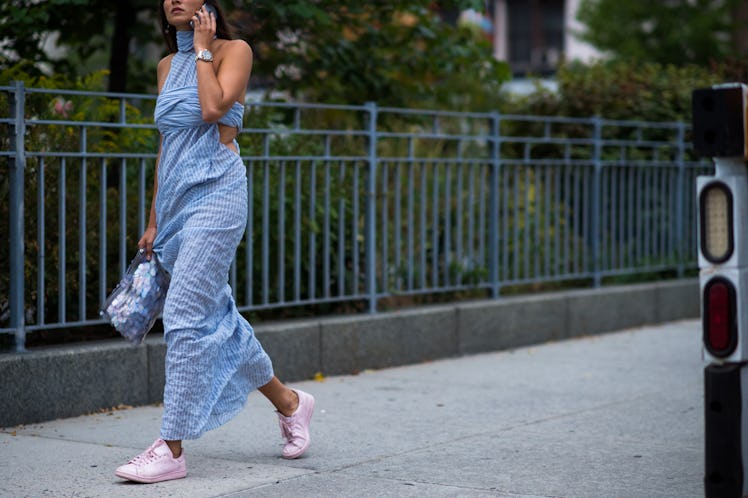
720,331
719,335
716,213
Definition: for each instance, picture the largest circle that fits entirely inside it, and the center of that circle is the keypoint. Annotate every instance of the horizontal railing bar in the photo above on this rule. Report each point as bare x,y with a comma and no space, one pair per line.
99,124
302,131
303,158
433,112
306,105
437,160
87,93
100,155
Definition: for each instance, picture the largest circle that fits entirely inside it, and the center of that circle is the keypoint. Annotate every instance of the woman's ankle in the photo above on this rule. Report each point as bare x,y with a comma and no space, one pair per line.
175,447
285,400
292,403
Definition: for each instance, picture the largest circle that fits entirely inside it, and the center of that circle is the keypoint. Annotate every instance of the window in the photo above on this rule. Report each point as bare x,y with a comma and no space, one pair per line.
536,35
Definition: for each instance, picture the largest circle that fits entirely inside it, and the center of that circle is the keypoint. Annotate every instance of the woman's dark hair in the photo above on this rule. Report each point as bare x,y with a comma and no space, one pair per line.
223,30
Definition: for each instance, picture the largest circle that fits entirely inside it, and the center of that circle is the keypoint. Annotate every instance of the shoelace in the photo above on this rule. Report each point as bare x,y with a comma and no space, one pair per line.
144,458
287,429
285,432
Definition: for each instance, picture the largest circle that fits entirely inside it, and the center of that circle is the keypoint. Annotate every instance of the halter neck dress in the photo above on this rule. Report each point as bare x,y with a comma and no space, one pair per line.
213,359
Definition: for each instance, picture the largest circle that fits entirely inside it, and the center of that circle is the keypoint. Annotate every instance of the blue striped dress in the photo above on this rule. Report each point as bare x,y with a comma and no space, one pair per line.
213,359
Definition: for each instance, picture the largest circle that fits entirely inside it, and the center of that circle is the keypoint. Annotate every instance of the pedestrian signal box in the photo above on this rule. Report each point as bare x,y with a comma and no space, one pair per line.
719,132
719,121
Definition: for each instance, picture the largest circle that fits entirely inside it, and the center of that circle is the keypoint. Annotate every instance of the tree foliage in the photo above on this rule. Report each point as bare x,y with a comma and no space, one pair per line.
347,51
350,51
77,37
667,32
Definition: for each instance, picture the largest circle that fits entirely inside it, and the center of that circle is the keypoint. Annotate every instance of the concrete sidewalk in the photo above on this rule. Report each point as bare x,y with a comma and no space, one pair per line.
616,415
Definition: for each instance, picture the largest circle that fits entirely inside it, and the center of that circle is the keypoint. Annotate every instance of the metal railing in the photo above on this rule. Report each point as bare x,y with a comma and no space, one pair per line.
349,205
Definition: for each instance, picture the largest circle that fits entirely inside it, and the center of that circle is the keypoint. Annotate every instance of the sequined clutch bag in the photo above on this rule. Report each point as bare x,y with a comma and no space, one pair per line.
137,301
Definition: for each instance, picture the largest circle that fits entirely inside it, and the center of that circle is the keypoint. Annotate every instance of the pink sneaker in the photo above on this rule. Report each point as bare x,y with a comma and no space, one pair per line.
295,429
155,464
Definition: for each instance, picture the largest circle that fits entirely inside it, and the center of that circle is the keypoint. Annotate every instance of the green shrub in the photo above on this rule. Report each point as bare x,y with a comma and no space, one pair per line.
620,90
72,187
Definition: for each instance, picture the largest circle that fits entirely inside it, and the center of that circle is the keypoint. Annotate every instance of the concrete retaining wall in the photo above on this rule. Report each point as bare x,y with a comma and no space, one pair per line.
73,380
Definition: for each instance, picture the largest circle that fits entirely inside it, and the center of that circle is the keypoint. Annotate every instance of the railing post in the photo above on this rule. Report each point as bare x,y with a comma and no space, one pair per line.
679,210
17,172
371,209
493,205
596,202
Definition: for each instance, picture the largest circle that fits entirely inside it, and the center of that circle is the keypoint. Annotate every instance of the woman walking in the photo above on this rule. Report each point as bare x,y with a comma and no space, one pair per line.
197,218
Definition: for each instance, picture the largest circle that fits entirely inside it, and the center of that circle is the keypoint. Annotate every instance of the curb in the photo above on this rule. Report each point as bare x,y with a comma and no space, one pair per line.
68,381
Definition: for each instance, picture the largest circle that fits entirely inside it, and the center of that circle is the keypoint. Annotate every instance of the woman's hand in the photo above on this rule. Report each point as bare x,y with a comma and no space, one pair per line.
146,241
204,29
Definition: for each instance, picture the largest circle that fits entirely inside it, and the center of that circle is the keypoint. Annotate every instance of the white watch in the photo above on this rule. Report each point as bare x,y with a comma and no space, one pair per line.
204,55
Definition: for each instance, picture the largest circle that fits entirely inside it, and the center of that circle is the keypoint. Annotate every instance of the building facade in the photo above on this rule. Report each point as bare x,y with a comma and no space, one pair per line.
533,36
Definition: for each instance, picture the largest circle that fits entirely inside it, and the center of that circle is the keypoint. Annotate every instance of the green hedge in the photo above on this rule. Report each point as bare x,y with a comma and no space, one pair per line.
621,90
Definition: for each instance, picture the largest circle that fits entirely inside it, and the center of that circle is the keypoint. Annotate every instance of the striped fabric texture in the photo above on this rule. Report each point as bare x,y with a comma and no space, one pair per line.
213,359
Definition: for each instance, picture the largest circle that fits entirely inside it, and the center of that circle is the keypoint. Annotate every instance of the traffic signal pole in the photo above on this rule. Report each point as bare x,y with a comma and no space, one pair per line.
720,132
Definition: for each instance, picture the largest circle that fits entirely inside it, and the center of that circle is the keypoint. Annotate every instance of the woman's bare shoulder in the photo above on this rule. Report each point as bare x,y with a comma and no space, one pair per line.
167,57
165,63
237,48
163,69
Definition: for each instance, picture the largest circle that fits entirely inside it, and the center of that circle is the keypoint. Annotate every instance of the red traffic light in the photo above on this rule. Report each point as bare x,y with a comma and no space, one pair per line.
720,320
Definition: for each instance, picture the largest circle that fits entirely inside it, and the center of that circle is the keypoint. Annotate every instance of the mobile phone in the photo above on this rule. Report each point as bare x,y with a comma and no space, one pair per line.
210,10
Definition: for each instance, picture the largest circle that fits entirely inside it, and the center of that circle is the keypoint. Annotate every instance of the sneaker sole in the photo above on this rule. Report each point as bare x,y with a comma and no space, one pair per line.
297,454
151,480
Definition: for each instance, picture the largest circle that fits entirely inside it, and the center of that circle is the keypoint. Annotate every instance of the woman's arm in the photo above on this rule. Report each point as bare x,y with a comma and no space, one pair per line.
149,235
224,81
152,215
